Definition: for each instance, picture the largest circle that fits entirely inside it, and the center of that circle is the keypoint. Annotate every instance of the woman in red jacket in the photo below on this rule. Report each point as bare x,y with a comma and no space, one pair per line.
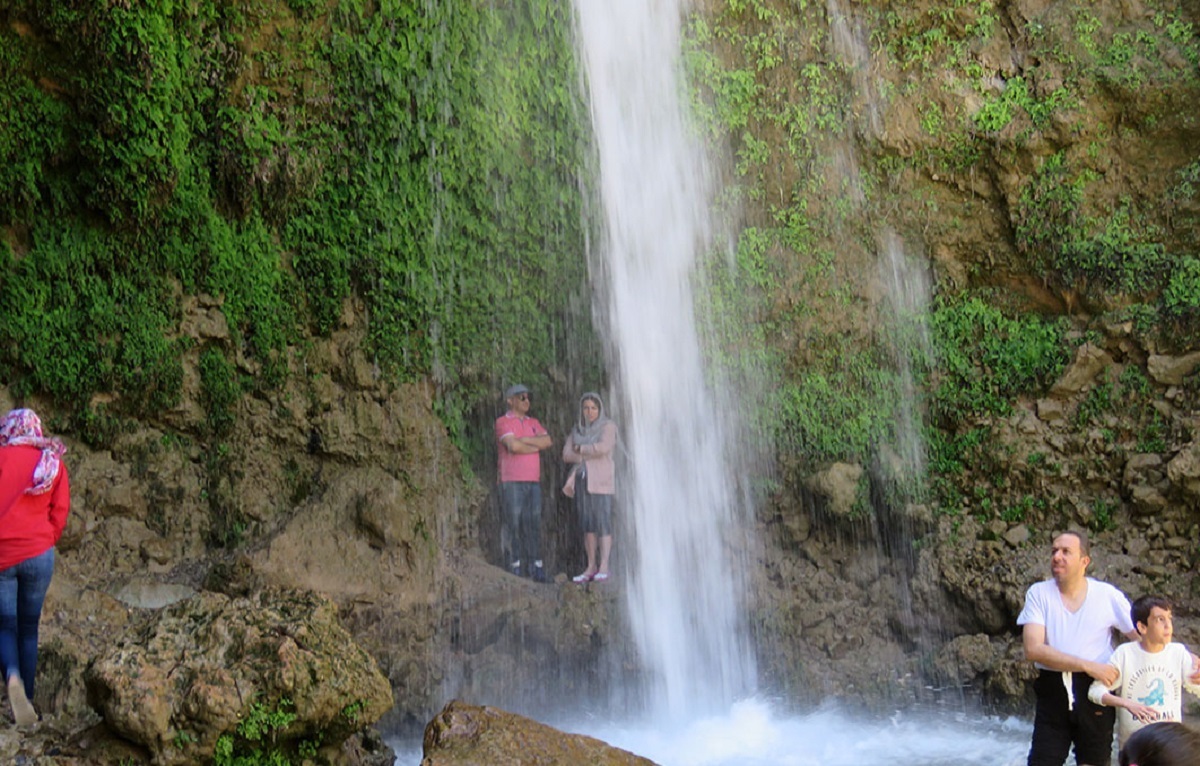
35,497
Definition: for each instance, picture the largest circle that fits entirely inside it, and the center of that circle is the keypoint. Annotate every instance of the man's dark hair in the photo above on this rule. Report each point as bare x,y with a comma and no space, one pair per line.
1085,545
1140,609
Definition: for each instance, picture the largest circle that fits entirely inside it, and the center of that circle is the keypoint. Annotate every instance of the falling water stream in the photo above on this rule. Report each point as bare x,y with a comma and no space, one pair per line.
685,578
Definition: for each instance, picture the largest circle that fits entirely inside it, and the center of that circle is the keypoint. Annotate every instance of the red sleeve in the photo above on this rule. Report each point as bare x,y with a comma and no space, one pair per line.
60,501
503,428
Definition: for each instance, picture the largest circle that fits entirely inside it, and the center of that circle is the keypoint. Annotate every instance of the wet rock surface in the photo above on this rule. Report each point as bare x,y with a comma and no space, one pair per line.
469,735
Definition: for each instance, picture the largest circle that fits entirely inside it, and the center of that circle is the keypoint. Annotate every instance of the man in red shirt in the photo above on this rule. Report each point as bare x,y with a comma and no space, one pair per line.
519,439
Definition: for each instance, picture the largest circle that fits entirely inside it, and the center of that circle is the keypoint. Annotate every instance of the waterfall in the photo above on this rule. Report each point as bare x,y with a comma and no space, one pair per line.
681,544
685,579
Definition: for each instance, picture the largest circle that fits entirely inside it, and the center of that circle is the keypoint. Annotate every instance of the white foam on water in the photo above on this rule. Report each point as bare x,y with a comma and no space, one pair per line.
753,733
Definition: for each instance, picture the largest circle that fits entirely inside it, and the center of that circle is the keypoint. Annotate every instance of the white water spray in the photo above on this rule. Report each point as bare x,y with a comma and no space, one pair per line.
684,579
908,296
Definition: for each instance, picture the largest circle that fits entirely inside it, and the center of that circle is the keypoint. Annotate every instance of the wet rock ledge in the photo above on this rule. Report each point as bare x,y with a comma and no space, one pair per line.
469,735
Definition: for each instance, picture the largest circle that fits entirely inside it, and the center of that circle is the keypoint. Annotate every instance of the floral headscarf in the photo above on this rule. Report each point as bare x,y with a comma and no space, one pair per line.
24,427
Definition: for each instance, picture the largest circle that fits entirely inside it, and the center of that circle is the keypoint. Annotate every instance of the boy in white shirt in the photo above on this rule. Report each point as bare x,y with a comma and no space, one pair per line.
1152,672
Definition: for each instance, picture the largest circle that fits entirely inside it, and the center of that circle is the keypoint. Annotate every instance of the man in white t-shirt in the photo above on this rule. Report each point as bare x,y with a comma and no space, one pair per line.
1067,625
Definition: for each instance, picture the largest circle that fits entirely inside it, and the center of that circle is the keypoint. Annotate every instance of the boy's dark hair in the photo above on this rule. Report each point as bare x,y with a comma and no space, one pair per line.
1140,609
1167,743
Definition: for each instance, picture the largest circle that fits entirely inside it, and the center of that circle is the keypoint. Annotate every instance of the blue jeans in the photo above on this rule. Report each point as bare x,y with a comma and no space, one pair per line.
22,591
521,522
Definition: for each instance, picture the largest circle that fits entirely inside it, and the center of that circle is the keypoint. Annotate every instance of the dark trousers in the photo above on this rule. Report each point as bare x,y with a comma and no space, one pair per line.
521,522
1088,726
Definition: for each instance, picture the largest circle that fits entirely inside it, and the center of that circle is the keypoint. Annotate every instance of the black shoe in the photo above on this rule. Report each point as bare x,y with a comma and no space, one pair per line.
539,573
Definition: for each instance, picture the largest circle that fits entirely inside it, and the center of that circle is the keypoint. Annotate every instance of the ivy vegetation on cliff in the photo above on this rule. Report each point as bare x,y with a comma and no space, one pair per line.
286,158
796,97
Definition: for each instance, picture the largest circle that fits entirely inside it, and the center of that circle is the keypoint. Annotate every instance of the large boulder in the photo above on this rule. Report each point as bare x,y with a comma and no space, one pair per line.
214,671
1172,370
470,735
1089,362
840,486
1184,470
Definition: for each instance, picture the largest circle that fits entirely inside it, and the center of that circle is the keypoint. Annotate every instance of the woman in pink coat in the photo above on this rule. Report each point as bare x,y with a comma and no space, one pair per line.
590,447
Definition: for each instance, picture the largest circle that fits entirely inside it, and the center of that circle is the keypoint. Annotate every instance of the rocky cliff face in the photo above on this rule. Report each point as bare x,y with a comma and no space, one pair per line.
340,484
917,601
869,606
1036,156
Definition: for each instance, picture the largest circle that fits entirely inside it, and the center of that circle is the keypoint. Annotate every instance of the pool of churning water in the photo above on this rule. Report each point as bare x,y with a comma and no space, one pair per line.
752,733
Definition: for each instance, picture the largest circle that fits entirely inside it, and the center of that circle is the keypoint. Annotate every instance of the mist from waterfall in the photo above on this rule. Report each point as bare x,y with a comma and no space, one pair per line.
685,576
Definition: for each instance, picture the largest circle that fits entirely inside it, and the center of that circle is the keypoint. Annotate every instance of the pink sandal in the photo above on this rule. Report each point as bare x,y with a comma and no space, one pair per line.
600,577
582,578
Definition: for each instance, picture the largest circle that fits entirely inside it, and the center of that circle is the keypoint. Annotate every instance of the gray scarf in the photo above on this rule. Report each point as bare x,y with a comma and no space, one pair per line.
589,433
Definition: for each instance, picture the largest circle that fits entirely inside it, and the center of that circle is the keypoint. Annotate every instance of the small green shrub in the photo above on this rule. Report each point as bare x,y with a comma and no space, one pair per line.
1112,252
1152,436
840,412
256,739
999,110
352,711
1019,511
1181,297
1134,382
1098,402
264,721
219,391
1116,257
986,359
1103,513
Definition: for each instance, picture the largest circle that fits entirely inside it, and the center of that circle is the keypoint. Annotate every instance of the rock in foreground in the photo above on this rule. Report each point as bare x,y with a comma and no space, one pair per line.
469,735
214,674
